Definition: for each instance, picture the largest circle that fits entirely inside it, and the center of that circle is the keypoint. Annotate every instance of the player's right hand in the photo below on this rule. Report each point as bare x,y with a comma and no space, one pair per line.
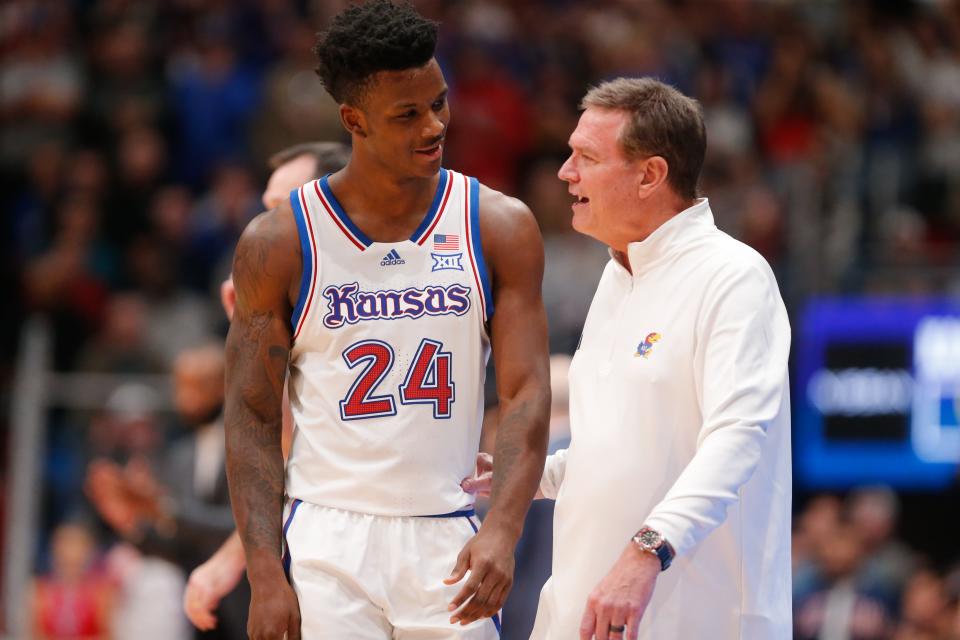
274,611
488,558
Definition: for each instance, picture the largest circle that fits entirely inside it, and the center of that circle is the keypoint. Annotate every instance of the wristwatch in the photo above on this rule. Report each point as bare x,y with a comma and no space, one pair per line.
650,541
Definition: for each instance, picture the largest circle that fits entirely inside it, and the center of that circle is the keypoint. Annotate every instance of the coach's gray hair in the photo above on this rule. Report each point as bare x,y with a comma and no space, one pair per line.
661,122
330,156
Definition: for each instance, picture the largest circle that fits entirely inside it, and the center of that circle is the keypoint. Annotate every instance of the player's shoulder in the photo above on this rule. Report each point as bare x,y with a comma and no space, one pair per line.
509,233
504,215
270,241
275,227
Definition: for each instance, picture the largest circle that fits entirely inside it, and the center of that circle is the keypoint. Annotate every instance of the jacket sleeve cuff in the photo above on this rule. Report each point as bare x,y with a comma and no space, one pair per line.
553,472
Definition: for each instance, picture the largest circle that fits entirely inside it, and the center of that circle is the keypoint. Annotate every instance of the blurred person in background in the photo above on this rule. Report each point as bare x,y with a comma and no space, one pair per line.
217,220
139,171
952,585
215,578
812,530
295,106
213,96
177,317
75,600
183,513
69,280
289,167
126,82
41,83
494,132
120,345
129,427
888,563
928,611
840,607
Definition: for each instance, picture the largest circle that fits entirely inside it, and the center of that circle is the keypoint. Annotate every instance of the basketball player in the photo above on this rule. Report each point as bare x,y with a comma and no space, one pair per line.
384,287
218,576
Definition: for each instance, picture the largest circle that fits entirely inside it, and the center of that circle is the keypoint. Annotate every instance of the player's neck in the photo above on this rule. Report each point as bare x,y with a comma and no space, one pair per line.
371,188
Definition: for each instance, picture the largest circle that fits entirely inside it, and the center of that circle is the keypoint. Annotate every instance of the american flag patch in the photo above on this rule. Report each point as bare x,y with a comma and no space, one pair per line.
446,242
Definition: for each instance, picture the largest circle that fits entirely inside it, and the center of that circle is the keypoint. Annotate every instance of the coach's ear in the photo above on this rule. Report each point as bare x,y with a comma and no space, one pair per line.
353,120
653,173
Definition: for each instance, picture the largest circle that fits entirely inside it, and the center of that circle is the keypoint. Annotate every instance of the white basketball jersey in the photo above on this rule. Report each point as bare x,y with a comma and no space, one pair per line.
388,358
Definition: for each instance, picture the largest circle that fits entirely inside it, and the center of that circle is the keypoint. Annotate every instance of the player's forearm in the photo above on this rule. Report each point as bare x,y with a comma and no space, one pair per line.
520,451
255,475
258,348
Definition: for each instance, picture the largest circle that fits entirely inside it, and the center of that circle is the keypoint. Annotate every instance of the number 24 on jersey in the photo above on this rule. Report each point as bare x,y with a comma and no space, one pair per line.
427,381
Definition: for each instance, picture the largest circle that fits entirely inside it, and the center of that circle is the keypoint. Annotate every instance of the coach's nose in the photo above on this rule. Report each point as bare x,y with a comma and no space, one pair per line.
567,171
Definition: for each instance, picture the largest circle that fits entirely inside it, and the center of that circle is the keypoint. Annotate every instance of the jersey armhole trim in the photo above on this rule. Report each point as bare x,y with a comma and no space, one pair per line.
476,247
308,250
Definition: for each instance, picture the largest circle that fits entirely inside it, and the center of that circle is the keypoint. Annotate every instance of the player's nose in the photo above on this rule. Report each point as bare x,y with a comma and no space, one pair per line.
434,128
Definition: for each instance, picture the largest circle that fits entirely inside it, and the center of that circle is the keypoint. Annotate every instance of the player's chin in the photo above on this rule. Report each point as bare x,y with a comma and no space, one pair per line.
426,164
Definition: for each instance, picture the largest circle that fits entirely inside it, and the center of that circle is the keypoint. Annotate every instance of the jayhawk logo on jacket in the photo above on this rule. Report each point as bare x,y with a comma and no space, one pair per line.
643,349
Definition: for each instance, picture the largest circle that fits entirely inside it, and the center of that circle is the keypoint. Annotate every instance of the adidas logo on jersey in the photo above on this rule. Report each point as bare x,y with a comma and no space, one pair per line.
392,258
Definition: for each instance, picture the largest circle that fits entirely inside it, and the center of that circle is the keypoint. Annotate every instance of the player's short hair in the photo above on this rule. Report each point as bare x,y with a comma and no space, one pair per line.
376,35
330,156
662,122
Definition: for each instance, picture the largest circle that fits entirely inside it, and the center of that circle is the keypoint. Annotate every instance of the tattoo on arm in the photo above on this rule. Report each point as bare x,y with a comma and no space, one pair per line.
253,415
258,347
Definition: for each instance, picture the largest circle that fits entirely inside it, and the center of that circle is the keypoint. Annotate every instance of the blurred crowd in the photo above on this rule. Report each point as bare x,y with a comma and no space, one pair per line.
134,147
853,577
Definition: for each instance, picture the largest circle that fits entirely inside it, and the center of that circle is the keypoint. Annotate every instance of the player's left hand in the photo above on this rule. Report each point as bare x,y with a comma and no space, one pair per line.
621,597
488,556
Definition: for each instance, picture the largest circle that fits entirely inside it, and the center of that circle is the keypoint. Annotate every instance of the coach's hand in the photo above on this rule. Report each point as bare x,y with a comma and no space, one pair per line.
489,558
621,597
274,611
481,483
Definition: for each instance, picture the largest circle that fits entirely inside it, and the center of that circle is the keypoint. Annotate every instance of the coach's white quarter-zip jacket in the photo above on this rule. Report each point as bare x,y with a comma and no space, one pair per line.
680,420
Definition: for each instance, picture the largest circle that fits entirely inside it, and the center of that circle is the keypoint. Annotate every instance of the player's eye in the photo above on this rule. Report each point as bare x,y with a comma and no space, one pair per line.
406,115
439,104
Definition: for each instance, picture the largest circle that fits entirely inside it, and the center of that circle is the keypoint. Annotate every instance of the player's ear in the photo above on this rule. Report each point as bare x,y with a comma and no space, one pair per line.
353,120
652,173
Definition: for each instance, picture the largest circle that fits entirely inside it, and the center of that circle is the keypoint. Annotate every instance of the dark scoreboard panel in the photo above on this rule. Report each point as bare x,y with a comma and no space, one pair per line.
877,393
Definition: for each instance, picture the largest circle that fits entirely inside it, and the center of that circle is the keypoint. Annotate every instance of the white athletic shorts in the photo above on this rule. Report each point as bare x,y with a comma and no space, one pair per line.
364,577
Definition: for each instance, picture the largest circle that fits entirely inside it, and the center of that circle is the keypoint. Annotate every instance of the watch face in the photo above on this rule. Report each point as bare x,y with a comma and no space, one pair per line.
650,538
